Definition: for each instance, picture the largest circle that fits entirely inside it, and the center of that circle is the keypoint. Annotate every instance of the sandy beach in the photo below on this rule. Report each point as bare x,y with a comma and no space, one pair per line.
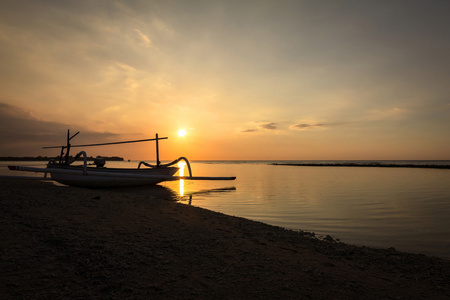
74,243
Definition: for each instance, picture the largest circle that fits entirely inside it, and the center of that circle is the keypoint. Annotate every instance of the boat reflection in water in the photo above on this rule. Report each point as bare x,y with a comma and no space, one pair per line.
182,194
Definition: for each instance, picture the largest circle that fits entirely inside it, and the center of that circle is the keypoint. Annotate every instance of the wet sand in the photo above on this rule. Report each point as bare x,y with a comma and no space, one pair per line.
74,243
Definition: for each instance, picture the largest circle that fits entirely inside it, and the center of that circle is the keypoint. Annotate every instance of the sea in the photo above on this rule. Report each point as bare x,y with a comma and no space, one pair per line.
403,208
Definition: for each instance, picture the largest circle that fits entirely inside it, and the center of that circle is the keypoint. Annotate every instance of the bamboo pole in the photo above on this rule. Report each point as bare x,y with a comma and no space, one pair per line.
105,144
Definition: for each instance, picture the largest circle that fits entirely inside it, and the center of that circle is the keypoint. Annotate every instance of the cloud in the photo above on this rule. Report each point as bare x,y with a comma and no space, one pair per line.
145,39
262,125
19,125
22,133
268,125
305,126
387,114
314,125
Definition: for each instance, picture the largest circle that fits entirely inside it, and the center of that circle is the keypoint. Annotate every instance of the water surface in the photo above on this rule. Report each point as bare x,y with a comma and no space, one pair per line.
404,208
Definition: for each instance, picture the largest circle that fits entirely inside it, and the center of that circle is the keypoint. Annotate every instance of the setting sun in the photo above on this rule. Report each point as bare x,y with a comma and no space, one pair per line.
181,133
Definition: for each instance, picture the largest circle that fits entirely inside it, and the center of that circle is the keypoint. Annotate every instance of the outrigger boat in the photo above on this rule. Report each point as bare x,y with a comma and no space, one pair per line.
84,175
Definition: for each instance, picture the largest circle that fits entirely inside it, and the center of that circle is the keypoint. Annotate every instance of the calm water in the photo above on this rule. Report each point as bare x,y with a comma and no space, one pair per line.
408,209
404,208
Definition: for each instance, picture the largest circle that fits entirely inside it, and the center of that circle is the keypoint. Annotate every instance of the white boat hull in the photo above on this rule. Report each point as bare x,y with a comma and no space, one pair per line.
106,177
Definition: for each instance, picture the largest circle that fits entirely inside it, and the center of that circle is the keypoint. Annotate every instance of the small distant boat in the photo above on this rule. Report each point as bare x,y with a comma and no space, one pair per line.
99,176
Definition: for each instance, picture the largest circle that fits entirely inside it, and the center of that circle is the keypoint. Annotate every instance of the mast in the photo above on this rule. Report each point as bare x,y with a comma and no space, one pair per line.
157,152
66,158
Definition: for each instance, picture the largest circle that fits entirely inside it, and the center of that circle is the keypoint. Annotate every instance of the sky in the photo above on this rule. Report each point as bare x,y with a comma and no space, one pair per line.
250,80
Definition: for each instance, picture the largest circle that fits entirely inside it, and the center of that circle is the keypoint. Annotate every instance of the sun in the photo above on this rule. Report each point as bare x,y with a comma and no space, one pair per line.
181,133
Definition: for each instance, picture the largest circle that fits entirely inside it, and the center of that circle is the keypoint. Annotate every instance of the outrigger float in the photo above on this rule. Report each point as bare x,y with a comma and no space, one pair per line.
84,175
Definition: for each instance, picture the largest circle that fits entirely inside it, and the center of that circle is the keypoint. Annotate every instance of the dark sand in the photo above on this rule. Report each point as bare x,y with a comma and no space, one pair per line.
74,243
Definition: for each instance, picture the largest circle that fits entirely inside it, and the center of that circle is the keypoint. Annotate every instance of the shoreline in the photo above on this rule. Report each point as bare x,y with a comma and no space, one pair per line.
61,242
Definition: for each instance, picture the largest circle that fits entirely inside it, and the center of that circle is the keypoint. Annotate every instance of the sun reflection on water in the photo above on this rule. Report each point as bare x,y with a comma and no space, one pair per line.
181,165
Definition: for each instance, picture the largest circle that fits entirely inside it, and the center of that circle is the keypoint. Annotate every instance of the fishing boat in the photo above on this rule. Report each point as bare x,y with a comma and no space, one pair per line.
96,175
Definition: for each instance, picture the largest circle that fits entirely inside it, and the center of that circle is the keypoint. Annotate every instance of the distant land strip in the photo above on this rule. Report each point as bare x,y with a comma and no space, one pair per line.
376,165
45,158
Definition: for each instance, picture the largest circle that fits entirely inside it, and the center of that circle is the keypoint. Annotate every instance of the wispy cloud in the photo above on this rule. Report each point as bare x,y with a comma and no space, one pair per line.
305,126
387,113
270,126
144,38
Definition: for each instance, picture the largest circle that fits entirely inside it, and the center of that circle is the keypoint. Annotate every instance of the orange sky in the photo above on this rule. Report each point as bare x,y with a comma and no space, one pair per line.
246,79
